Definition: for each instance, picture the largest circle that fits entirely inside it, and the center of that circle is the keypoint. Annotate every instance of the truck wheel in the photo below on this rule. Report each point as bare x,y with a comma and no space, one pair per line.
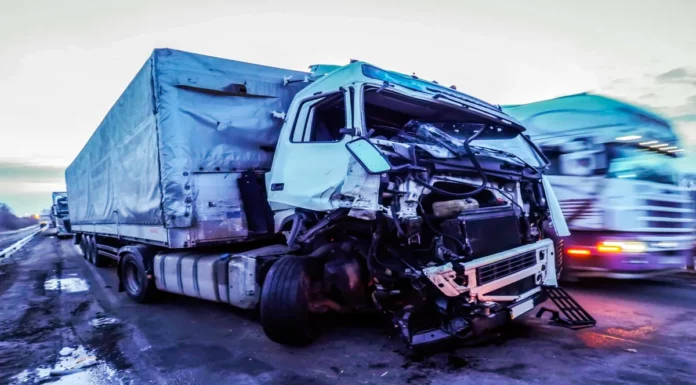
134,278
92,249
84,246
97,259
285,314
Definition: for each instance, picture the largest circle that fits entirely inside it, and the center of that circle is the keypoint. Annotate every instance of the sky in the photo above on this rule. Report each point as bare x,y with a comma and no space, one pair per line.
64,63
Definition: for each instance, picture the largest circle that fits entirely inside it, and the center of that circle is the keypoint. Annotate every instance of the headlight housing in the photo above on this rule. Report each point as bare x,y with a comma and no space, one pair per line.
622,247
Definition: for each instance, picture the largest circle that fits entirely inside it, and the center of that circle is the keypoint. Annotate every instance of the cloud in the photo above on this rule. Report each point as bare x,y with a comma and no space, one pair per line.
29,171
685,118
678,75
691,99
27,187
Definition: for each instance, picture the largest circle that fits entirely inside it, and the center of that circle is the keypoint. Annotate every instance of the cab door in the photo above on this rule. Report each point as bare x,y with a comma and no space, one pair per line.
311,162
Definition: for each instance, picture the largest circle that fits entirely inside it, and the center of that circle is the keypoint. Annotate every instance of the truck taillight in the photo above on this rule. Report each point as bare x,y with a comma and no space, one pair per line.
621,247
578,252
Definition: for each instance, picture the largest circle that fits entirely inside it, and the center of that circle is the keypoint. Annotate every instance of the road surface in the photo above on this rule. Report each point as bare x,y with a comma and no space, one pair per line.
51,299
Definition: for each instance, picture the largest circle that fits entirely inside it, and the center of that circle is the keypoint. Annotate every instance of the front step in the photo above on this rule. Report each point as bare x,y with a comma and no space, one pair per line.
574,316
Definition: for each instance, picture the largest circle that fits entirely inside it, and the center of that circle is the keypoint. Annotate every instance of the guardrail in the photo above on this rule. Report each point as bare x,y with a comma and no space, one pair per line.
11,232
18,245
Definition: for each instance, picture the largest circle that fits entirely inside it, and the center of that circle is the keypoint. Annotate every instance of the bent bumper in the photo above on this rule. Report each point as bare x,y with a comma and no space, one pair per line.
437,339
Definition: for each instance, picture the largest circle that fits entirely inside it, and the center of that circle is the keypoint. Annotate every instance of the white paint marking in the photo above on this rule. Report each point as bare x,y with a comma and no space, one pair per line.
66,285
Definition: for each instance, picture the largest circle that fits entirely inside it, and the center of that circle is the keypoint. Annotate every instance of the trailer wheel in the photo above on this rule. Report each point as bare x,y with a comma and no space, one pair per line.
92,249
97,259
135,281
285,314
84,246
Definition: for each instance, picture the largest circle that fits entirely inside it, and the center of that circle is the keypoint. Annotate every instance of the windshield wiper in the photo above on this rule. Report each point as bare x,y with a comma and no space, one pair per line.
508,154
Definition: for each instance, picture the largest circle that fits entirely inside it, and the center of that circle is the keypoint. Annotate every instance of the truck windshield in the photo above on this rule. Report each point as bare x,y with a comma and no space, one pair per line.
62,207
635,163
500,140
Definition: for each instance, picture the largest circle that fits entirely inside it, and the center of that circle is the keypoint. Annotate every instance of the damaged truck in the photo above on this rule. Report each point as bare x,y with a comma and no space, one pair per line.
344,189
59,214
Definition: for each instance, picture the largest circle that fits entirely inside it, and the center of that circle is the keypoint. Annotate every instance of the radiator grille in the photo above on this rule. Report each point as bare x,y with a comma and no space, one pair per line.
501,269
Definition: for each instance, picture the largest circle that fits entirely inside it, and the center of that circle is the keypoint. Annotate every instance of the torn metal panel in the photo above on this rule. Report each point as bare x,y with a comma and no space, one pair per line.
557,219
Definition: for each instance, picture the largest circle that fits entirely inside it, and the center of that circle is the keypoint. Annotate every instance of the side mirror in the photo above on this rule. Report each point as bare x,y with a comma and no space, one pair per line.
368,156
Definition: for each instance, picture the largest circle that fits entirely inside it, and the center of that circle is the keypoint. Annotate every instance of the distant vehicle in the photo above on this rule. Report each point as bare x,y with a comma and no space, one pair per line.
45,218
612,168
344,189
60,216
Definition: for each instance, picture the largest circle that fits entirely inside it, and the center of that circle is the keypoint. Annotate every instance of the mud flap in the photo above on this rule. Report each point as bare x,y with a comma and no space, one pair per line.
574,316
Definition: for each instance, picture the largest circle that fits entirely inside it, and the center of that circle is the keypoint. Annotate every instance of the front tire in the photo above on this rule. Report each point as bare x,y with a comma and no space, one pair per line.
135,281
285,299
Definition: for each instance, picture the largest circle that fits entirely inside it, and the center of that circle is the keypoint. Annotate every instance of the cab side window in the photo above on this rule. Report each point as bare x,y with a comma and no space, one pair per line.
321,120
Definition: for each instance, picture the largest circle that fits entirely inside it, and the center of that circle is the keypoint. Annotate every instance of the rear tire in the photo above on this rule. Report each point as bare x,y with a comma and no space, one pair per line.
135,281
92,249
99,260
84,246
284,313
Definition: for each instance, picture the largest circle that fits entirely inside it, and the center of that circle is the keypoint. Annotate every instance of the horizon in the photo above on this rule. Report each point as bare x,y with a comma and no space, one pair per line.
66,65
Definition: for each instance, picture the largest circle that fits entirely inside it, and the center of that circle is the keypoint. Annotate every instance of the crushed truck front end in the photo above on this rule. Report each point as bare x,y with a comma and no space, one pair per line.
421,201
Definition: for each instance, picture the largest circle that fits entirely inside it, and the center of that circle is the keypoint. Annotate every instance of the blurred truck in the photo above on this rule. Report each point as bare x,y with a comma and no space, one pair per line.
60,218
613,170
344,189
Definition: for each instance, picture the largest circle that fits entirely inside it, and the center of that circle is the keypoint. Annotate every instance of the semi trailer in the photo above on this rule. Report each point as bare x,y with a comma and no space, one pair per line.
343,189
614,172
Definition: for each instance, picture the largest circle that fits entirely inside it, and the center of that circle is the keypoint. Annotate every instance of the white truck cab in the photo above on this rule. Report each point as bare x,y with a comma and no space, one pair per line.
613,169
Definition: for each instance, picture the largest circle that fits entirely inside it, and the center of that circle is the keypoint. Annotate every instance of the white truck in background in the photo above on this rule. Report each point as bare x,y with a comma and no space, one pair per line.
60,219
345,189
613,170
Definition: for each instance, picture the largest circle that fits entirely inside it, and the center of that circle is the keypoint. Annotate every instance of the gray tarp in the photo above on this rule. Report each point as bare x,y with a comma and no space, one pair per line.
182,114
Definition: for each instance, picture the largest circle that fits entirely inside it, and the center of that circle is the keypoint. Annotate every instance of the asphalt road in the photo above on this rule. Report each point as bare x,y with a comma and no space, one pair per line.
50,299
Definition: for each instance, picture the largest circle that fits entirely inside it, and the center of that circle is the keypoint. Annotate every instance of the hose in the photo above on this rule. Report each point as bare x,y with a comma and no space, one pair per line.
474,162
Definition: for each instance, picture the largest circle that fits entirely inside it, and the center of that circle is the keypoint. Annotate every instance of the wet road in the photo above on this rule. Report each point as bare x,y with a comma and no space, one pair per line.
645,335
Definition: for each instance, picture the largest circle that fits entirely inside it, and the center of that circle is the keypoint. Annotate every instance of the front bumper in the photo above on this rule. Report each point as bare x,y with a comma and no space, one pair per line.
664,254
491,278
495,290
437,339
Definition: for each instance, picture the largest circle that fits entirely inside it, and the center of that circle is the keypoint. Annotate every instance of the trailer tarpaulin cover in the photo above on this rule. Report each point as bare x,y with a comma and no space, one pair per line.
182,114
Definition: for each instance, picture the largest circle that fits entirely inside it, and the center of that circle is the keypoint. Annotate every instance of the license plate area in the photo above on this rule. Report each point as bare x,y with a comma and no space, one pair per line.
521,308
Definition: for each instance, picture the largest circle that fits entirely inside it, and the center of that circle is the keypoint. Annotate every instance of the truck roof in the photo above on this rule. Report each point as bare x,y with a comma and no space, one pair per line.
586,113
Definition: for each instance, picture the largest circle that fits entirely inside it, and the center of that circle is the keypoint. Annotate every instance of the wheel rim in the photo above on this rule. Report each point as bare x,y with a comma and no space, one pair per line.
132,277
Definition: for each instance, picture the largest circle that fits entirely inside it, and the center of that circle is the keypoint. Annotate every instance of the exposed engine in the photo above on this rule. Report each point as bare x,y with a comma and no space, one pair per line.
436,216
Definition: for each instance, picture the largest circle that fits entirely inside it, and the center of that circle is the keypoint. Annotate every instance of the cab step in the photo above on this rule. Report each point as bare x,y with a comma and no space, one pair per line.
574,316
